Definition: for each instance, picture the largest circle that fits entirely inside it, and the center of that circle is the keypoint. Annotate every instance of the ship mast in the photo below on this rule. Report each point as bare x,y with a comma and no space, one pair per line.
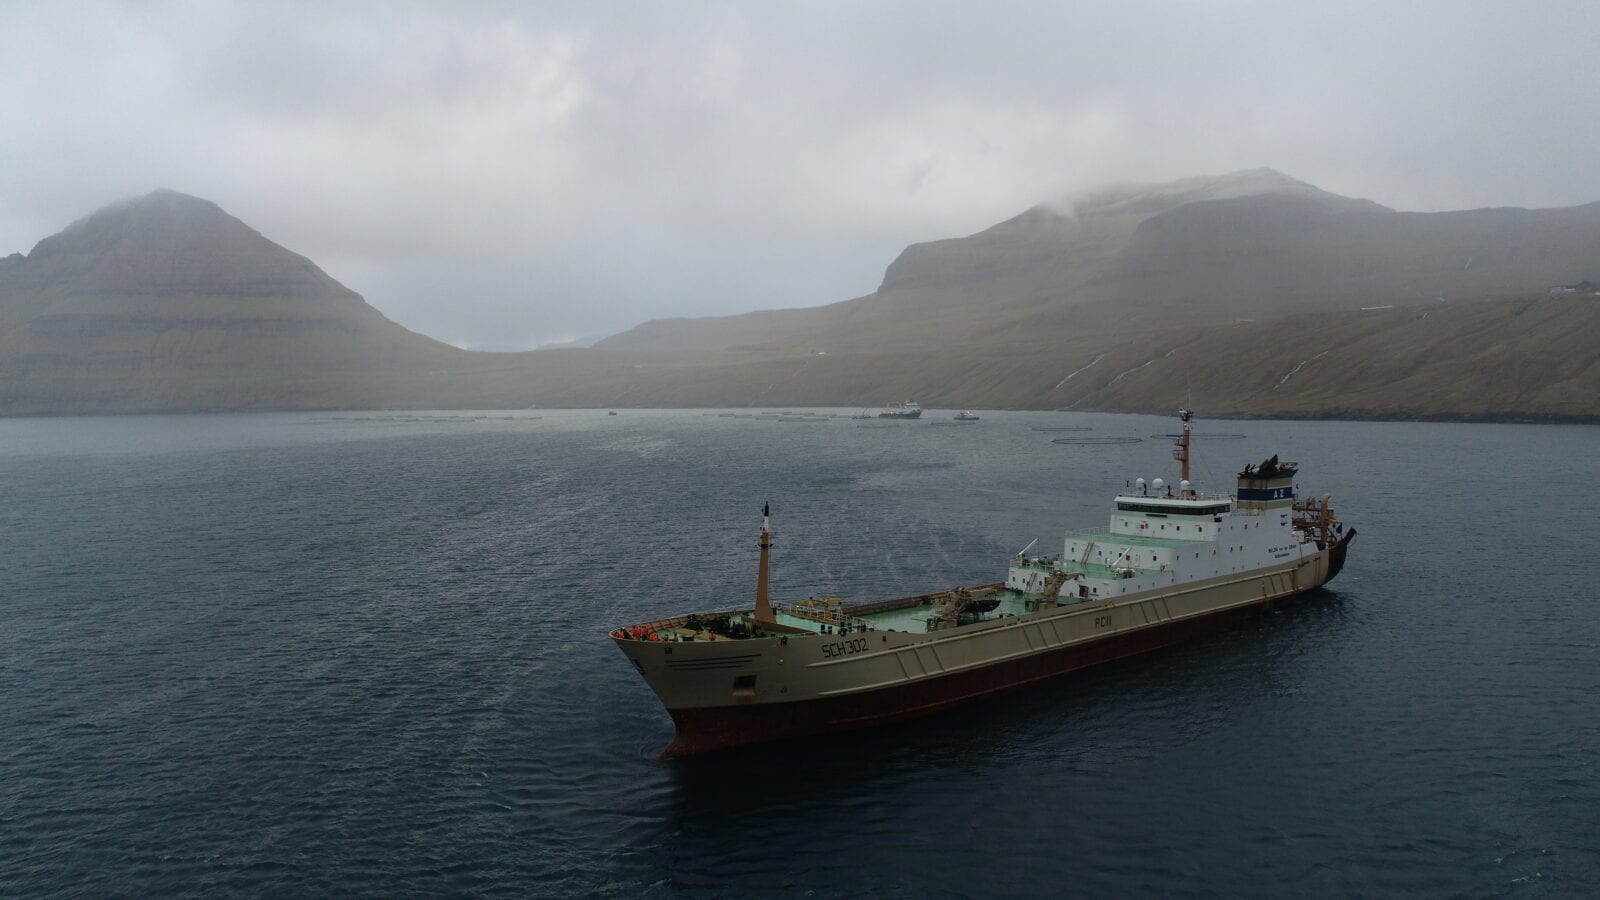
763,605
1182,455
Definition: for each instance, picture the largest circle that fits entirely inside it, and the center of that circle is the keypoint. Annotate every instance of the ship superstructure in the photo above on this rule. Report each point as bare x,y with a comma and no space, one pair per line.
1172,562
907,410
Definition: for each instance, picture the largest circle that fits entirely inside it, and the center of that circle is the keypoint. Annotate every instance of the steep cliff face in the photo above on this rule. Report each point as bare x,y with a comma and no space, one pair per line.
1069,242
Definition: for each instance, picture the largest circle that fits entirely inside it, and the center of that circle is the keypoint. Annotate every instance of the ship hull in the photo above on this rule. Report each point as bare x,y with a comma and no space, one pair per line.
900,675
720,727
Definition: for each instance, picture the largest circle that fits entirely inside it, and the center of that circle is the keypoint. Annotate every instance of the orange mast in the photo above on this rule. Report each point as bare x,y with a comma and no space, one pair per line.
1182,455
763,605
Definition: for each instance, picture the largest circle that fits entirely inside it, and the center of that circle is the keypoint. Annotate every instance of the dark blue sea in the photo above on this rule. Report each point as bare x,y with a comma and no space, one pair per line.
365,655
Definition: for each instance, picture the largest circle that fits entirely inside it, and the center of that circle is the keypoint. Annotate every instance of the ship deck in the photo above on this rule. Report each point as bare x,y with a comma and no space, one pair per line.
912,617
833,616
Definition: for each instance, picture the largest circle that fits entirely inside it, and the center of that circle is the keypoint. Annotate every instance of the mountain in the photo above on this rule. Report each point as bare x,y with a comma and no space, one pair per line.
1244,294
1249,294
167,302
1191,253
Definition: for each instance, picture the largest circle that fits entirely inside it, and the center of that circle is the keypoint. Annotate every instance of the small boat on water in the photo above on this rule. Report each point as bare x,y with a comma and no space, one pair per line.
1175,562
906,410
966,415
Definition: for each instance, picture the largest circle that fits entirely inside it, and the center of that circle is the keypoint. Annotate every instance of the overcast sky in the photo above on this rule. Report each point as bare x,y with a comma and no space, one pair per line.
518,173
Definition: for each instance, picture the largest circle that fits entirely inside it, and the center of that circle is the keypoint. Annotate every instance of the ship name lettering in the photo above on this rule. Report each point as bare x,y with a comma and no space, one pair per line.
1102,621
843,648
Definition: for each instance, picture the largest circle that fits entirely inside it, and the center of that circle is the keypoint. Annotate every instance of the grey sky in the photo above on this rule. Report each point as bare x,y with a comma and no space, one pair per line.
515,173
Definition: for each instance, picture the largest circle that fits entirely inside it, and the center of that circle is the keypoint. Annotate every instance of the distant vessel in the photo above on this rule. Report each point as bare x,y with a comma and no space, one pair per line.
1171,565
906,410
966,415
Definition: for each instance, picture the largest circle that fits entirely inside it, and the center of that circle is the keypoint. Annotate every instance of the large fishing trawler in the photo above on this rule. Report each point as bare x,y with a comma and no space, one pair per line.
1171,565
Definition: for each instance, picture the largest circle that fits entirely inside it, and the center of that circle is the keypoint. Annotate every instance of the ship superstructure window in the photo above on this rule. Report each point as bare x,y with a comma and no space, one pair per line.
1175,509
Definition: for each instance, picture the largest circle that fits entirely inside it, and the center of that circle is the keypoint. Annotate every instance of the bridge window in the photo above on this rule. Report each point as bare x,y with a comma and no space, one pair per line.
1210,509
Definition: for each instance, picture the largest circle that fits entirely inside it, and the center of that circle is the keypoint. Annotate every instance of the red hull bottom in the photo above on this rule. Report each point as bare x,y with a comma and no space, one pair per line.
716,728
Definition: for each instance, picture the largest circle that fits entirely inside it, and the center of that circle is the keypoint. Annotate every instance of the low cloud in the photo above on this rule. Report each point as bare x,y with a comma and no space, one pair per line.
484,170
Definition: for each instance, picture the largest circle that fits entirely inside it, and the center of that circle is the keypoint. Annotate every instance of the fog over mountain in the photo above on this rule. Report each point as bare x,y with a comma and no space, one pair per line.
1130,260
1243,294
517,175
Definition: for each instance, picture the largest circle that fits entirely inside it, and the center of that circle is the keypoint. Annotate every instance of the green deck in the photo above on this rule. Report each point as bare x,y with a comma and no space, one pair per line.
912,618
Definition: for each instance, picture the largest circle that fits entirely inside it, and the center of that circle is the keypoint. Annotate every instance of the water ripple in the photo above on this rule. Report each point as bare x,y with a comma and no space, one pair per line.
368,658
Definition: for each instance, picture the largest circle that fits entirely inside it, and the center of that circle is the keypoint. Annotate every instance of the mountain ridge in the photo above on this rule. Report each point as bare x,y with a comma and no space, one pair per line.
1241,245
1250,294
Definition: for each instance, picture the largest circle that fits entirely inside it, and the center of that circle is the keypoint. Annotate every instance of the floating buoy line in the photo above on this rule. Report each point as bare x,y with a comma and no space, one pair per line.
1097,440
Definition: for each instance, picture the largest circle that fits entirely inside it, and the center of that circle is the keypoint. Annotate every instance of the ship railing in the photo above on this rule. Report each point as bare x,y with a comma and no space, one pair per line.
856,615
832,617
1198,495
660,625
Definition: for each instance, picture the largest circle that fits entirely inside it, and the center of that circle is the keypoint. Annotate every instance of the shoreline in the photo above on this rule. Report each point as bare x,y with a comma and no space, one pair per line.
1331,415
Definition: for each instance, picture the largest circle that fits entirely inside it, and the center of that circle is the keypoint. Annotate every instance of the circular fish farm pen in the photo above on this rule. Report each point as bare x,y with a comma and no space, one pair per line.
1096,440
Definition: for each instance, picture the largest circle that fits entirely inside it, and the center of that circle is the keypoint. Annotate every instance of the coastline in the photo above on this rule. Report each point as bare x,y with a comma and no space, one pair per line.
1328,415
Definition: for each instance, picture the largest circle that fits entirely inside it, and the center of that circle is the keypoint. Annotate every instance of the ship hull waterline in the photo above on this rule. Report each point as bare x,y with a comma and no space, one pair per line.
702,729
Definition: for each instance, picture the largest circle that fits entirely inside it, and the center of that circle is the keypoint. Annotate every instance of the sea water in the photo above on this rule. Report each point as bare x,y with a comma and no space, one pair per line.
365,654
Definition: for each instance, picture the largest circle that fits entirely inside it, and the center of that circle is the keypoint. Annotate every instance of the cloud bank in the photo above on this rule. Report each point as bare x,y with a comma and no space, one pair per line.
490,173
